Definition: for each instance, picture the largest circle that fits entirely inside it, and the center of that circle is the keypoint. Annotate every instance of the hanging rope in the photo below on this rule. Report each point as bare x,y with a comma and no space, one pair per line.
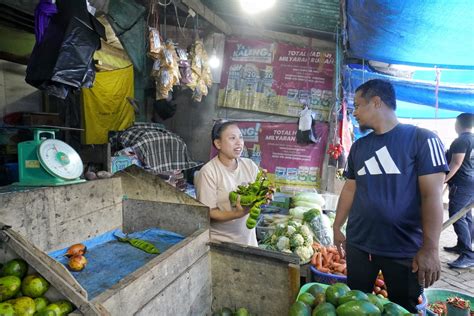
438,78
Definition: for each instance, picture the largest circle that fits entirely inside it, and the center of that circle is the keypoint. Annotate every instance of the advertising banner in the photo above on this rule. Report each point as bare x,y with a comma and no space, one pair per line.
273,146
276,78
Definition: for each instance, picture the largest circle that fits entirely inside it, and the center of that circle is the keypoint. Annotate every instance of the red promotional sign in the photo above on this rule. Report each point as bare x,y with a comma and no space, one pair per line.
276,78
273,146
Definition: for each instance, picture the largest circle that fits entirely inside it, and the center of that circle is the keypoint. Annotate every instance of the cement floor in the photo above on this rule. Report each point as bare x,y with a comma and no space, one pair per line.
454,279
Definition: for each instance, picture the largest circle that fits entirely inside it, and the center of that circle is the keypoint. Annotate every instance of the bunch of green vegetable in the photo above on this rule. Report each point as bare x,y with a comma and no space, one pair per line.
254,195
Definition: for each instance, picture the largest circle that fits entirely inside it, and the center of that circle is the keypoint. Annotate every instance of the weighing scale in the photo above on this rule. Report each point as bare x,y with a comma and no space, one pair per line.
46,161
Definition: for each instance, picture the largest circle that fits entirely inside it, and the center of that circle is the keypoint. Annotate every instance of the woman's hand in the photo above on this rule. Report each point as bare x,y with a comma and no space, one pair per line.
239,209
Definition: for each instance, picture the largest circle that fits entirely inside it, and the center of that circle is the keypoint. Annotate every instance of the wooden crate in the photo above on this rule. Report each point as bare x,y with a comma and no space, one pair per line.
192,277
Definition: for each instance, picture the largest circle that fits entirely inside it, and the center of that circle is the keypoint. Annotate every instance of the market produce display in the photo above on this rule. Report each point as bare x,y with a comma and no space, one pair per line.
380,288
328,260
23,295
452,306
226,311
254,195
140,244
77,261
339,300
292,237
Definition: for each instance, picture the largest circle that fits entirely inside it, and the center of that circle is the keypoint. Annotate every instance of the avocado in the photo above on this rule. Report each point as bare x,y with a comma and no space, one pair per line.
16,267
335,291
374,299
315,289
241,312
226,312
45,312
300,309
34,286
392,309
9,286
65,306
24,306
6,309
41,303
324,309
308,299
358,308
53,307
353,295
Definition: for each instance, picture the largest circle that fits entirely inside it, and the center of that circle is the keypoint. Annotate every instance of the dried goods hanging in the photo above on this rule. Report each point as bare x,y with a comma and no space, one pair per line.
165,70
201,78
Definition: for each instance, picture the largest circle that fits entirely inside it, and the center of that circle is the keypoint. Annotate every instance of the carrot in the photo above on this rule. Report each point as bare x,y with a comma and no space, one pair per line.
330,257
313,259
337,257
319,262
325,270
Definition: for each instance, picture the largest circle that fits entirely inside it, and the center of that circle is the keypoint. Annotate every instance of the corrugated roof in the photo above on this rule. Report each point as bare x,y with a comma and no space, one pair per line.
292,16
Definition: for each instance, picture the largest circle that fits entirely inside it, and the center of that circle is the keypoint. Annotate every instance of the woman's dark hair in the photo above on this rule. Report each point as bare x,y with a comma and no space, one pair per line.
381,88
219,127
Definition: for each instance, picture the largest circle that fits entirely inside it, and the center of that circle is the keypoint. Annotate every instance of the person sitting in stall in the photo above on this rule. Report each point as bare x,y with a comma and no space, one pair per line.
219,177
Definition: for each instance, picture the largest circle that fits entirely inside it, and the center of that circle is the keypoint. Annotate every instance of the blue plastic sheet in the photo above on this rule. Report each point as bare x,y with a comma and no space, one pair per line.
423,33
109,260
415,98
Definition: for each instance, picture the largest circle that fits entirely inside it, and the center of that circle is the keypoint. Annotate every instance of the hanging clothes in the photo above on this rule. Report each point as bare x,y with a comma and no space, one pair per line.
106,107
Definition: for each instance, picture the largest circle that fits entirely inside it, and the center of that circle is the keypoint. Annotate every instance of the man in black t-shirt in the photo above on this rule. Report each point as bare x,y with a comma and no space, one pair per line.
461,189
391,200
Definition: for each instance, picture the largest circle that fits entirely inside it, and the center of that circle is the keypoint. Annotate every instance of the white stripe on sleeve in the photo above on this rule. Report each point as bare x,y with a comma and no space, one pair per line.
441,151
432,153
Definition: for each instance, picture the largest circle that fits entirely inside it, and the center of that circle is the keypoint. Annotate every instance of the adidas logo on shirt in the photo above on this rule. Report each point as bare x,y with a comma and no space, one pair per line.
385,162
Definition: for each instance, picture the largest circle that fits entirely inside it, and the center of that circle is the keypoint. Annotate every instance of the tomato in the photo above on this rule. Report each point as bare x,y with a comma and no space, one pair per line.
379,282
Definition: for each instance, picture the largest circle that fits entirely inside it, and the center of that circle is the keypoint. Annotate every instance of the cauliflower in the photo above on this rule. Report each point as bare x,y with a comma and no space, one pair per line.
305,231
296,240
290,230
308,241
304,252
283,243
286,251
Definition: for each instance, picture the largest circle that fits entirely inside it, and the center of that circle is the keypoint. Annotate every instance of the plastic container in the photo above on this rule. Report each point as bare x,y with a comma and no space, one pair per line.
441,295
422,306
326,278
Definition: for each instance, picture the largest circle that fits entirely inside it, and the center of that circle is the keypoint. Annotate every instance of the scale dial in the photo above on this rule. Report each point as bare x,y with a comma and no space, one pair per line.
60,159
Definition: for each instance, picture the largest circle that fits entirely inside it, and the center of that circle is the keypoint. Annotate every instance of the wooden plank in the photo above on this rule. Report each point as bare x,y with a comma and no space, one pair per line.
208,15
180,218
140,287
255,252
189,294
457,216
52,270
266,285
141,185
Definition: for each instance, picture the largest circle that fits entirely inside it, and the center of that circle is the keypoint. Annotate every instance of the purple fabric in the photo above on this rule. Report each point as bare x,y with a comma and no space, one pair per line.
43,12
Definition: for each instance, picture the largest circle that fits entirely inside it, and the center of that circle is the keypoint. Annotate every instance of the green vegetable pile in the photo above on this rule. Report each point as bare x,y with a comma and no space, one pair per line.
254,195
22,294
339,300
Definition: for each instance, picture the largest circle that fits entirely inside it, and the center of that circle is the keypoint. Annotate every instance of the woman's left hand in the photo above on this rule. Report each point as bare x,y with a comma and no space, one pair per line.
240,210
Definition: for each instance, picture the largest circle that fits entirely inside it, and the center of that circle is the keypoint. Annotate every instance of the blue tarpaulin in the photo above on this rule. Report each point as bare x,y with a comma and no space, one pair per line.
424,32
109,260
415,99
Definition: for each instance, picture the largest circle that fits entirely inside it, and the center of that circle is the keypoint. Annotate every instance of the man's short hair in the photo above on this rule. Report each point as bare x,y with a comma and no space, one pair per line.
465,120
380,88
